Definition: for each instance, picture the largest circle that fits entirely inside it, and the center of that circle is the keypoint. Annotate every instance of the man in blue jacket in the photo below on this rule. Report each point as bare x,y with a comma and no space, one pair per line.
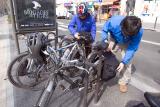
123,33
82,22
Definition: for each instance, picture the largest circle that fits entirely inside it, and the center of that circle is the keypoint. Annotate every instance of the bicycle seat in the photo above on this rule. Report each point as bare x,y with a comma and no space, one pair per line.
153,99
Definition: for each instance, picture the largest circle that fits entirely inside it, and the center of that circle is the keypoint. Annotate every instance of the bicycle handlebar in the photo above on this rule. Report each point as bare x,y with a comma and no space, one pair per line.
47,42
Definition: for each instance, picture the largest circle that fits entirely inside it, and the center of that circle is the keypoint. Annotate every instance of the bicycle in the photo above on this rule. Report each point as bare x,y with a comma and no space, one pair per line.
85,80
84,42
25,67
34,69
78,79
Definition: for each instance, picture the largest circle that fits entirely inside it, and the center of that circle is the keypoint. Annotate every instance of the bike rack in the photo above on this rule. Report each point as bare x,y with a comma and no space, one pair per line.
97,90
98,83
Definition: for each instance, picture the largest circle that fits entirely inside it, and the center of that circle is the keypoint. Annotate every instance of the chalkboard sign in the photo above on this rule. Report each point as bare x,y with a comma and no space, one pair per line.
31,15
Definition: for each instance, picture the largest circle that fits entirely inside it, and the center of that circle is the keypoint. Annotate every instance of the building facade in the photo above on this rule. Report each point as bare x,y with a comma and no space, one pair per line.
143,7
104,9
3,7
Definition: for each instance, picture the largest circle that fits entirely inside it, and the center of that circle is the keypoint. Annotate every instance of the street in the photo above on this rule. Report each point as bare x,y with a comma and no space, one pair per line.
146,72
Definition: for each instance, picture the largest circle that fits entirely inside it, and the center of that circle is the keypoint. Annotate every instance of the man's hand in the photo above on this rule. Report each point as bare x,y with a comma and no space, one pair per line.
76,35
111,44
120,67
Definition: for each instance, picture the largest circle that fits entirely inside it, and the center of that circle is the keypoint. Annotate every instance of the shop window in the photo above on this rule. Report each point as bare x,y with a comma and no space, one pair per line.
105,9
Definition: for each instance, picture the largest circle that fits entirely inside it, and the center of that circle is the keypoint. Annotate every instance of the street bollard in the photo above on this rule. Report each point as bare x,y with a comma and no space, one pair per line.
155,23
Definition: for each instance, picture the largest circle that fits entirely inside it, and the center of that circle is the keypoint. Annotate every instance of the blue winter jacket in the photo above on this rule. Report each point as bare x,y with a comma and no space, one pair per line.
113,27
88,25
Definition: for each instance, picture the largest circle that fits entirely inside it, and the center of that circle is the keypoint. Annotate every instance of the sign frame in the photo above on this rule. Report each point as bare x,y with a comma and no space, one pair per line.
33,28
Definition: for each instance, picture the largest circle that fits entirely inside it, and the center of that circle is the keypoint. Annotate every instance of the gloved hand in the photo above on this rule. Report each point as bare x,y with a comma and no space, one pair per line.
76,35
120,67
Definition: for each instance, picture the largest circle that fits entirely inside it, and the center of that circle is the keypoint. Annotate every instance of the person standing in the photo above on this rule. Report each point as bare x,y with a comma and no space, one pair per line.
123,35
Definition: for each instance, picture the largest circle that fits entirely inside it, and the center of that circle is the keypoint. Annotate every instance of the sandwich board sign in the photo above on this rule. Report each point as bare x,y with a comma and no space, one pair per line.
34,15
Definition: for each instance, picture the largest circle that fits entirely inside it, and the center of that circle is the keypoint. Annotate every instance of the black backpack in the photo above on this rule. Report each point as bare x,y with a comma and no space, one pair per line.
109,66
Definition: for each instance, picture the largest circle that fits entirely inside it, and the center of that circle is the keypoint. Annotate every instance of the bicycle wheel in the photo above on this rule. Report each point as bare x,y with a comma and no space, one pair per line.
11,72
32,74
64,42
93,58
46,95
23,74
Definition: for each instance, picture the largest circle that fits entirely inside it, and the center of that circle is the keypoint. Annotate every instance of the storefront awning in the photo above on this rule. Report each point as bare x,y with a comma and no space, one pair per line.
104,3
115,7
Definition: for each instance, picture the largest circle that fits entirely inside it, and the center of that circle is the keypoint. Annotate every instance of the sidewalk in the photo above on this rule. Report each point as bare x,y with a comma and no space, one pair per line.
3,65
5,89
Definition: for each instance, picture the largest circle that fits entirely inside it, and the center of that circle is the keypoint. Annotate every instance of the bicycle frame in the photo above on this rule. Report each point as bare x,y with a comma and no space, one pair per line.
47,93
60,64
74,46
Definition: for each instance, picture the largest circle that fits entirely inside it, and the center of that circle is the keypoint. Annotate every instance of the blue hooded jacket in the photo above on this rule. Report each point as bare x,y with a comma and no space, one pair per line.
113,27
88,25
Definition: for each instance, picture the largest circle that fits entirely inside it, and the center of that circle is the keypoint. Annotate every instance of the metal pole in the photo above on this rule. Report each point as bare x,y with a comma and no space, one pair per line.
155,23
14,26
100,11
56,41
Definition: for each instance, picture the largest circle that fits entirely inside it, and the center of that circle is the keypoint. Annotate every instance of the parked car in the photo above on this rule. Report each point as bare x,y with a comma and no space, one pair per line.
61,12
61,15
69,15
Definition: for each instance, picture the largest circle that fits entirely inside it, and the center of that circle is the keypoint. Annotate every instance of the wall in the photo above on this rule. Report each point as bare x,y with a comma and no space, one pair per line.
3,6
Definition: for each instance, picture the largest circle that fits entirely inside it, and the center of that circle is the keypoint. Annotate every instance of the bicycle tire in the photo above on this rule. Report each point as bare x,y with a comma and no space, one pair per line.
46,94
9,70
22,72
37,82
75,54
15,79
66,41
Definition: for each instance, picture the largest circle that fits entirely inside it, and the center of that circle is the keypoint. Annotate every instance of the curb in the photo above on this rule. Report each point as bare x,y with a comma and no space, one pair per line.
157,30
